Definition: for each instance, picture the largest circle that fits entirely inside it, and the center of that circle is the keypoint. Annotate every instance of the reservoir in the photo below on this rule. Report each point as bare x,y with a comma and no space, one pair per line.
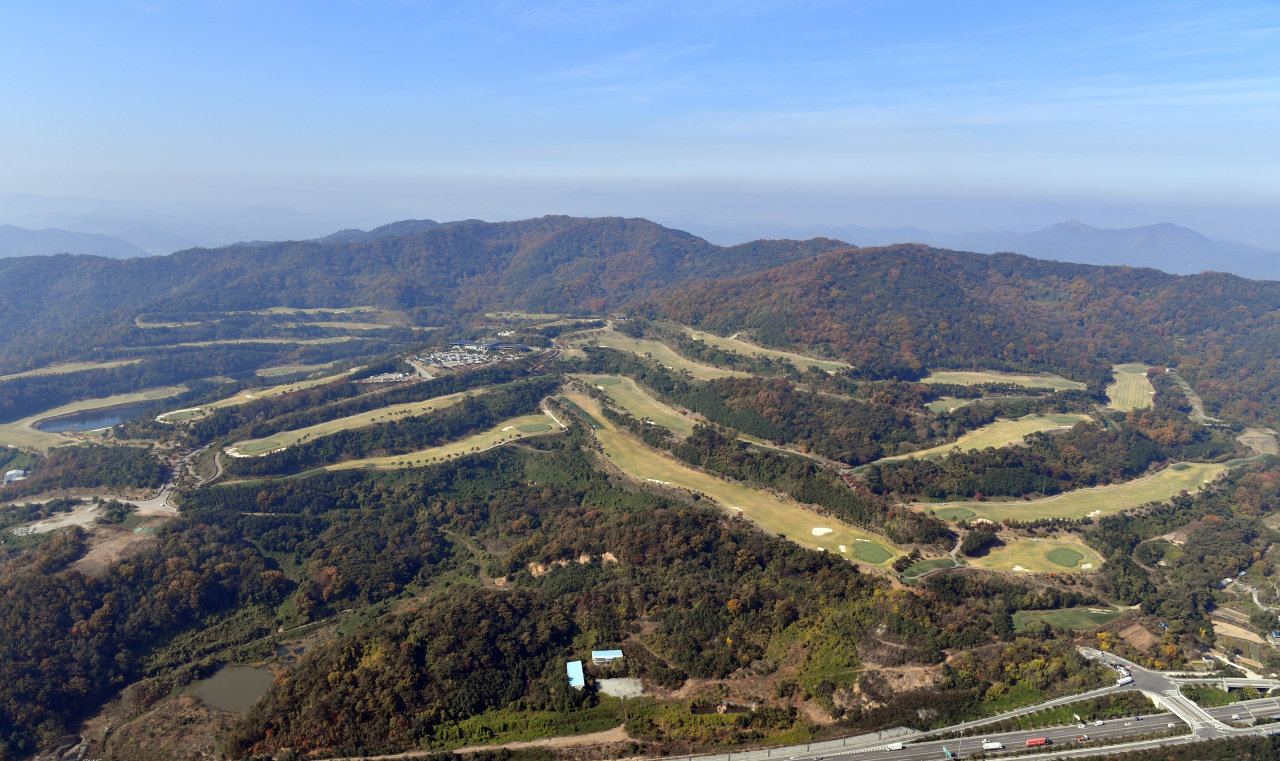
233,688
92,420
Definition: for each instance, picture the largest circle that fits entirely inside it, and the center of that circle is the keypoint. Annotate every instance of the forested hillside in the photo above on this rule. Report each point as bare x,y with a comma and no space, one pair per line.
901,310
552,264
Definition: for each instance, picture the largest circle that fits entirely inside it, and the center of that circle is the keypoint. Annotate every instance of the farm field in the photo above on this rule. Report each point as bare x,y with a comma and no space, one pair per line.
614,340
1132,390
508,430
1001,433
70,367
739,346
22,433
1102,500
1067,618
775,515
1054,382
625,393
1040,556
285,439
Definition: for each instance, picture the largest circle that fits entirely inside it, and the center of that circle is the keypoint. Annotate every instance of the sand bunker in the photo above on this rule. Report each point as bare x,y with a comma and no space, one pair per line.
842,549
1086,566
1019,568
822,531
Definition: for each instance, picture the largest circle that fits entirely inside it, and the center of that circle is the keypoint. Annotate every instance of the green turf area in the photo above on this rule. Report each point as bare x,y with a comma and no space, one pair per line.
1104,500
1069,618
1032,556
659,352
744,348
1057,383
776,515
534,427
1132,389
956,514
871,552
260,446
507,431
925,566
627,395
947,404
70,367
591,421
182,415
1065,557
1001,433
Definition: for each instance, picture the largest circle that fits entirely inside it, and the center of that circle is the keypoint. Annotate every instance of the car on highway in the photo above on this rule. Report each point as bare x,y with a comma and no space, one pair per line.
1079,726
1235,717
1128,723
1137,718
1098,723
1172,724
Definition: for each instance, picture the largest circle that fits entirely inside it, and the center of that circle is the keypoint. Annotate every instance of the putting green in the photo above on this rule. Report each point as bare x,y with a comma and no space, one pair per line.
1055,382
181,415
534,427
260,446
956,514
1065,557
776,515
871,553
1032,556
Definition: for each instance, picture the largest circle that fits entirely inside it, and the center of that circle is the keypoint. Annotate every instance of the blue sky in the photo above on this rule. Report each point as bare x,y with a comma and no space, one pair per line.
804,112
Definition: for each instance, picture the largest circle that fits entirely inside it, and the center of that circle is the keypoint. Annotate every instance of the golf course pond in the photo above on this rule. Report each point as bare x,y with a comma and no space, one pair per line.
92,420
232,688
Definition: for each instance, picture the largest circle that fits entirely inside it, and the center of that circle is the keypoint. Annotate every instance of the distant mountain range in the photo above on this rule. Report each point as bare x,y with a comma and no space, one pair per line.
1165,246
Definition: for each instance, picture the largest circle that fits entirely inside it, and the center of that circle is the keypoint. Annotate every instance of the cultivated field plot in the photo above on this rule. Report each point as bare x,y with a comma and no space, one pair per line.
1040,556
1055,382
507,431
1001,433
775,515
614,340
71,367
1103,500
1132,390
744,348
285,439
22,433
1068,618
625,393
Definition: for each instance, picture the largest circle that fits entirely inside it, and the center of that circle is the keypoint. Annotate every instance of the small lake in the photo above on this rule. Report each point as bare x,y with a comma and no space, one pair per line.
92,420
233,688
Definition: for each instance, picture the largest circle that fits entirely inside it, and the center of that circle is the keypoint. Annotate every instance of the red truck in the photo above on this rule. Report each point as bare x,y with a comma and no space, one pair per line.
1036,742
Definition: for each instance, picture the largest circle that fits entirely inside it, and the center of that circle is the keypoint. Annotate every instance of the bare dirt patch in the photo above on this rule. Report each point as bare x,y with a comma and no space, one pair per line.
108,544
178,728
1139,637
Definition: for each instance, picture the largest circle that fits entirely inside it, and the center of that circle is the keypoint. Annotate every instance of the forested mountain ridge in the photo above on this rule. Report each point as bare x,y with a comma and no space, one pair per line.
900,310
550,264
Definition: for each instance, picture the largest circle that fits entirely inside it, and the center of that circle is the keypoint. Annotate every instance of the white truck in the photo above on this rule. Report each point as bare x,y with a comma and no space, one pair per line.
893,746
1125,680
992,745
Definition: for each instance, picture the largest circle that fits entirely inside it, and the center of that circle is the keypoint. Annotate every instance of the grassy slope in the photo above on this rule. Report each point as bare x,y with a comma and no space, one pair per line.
1132,390
614,340
384,414
1105,499
776,515
749,349
508,430
1069,618
1001,433
625,394
1032,556
70,367
1028,381
20,433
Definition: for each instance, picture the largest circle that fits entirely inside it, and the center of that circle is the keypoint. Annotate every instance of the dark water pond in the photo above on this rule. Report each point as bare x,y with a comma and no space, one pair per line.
233,688
92,420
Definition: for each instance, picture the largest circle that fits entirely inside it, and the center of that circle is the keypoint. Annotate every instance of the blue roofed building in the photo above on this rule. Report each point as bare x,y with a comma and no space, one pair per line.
605,656
576,679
